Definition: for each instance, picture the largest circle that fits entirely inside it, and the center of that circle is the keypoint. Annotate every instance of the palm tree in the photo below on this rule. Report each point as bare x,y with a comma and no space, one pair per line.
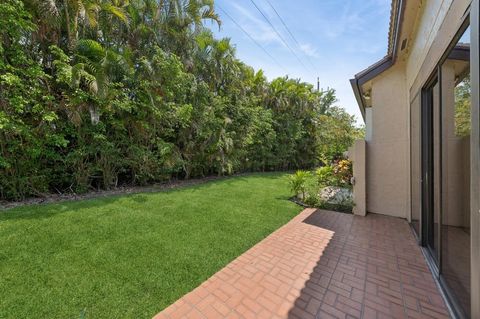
91,70
75,16
190,13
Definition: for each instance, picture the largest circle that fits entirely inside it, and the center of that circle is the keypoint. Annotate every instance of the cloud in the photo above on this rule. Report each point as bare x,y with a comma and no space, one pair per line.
353,17
257,28
309,50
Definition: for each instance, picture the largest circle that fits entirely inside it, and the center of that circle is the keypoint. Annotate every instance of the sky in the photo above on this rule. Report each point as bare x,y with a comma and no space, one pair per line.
332,39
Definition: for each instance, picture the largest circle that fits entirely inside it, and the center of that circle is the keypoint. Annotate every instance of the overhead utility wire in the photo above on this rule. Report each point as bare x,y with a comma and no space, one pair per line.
289,32
279,35
251,38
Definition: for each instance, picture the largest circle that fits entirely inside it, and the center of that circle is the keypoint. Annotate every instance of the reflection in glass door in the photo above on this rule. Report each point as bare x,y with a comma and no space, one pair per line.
431,170
456,102
445,175
415,163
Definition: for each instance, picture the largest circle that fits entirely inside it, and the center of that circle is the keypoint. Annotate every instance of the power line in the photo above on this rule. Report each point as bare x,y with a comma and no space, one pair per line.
251,38
289,32
283,22
279,35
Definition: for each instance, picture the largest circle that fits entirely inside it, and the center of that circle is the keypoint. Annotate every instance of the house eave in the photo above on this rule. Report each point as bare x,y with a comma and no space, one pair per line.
397,15
367,75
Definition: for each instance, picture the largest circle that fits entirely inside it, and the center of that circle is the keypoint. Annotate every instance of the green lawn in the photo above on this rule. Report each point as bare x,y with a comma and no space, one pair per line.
131,256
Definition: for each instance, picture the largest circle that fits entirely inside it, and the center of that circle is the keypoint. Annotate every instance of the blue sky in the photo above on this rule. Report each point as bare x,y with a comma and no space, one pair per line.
337,39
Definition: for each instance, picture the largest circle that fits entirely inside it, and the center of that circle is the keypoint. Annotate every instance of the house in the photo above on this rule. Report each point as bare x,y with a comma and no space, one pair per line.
421,155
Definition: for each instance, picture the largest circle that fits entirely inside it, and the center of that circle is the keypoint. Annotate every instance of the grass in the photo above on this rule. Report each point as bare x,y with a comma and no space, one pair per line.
131,256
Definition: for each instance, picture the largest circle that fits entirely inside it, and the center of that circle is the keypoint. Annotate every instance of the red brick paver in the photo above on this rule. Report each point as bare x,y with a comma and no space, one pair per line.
322,265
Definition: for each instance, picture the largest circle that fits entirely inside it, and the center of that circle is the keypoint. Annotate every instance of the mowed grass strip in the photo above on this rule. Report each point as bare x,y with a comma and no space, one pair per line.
131,256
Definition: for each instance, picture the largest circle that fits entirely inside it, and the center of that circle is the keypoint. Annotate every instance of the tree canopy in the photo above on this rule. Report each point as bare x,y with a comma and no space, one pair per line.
97,93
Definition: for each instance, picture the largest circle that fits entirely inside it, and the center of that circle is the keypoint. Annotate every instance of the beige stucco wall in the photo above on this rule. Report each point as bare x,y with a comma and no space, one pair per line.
432,13
436,25
388,149
388,144
368,124
357,154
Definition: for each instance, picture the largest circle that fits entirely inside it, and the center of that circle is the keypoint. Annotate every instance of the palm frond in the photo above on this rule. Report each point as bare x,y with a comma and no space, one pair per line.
90,49
118,12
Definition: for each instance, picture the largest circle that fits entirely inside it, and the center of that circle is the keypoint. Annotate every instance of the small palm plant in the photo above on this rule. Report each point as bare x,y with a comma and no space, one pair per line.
298,182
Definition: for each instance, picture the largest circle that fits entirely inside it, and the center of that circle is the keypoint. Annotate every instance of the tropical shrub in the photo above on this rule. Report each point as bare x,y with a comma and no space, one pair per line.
343,172
339,173
298,182
100,93
312,200
328,188
325,176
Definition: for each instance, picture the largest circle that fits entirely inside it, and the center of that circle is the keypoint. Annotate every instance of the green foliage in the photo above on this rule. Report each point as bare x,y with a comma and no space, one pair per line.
337,134
326,177
100,93
29,119
462,108
339,174
312,196
298,182
309,187
312,200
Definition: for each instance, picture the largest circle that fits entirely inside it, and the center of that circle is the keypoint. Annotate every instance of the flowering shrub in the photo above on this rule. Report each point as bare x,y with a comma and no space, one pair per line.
343,171
338,174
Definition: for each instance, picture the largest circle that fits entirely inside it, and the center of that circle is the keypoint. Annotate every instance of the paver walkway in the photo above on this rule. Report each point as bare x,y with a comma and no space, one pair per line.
322,265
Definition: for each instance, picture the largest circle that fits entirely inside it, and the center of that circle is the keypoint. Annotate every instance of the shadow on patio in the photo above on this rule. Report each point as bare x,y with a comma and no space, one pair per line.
322,265
371,268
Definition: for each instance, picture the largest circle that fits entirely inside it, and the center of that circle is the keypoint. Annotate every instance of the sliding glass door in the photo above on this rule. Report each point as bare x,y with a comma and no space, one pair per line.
445,126
431,169
456,124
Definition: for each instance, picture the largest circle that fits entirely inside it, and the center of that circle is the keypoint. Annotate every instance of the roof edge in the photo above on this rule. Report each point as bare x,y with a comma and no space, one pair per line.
396,21
366,75
358,96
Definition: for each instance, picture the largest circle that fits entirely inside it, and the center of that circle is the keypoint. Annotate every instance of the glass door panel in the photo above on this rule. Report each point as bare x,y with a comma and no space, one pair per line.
456,103
415,160
430,170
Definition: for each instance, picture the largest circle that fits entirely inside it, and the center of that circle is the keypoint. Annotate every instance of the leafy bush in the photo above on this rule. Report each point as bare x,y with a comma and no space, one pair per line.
338,174
312,199
325,176
298,182
312,196
310,188
343,172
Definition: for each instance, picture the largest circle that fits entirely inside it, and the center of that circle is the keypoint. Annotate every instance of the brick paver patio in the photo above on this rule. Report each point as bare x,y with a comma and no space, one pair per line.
322,265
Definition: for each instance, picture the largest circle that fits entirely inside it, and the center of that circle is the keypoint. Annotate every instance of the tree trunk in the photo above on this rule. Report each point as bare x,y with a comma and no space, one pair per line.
67,22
